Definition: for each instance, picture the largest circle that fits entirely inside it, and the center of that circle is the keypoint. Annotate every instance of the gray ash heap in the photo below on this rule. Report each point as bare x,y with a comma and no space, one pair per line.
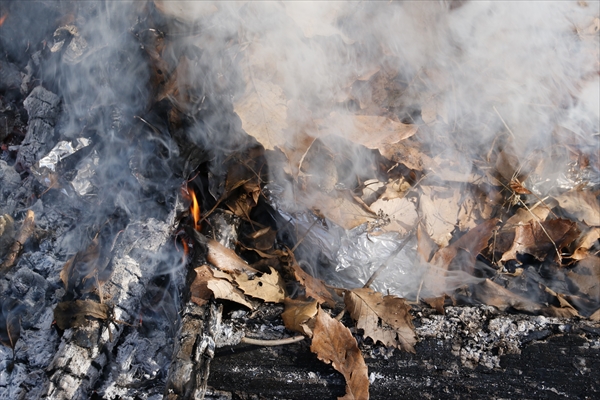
163,159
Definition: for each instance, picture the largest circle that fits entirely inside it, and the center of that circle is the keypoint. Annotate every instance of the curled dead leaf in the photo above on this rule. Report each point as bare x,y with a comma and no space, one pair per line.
226,291
541,239
226,259
382,318
582,205
263,111
373,132
75,314
314,287
268,287
492,294
333,343
299,315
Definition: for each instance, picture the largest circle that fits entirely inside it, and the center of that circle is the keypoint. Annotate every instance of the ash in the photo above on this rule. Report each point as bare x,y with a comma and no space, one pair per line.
481,335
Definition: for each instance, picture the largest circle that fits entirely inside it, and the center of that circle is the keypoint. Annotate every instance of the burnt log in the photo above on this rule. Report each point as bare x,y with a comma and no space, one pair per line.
43,108
470,353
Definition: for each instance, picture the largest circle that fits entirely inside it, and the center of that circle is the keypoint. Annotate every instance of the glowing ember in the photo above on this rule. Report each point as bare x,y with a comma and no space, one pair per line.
3,18
195,210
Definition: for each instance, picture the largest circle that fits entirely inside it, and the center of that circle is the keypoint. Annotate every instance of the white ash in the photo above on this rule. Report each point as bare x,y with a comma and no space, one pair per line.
481,335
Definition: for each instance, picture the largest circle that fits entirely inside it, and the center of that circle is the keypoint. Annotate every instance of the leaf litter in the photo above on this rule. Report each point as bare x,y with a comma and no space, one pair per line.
481,220
484,215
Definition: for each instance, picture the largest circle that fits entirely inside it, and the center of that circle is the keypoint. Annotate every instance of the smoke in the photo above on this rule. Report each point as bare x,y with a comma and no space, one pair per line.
520,76
518,71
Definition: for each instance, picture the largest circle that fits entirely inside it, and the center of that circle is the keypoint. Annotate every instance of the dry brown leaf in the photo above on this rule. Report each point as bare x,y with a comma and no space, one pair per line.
226,259
74,314
566,310
492,294
437,303
383,318
267,287
401,211
585,243
407,153
439,210
471,242
10,323
539,238
333,343
467,213
586,276
81,266
371,131
560,312
425,246
199,291
344,211
314,287
582,205
224,290
523,216
299,315
263,111
432,108
595,316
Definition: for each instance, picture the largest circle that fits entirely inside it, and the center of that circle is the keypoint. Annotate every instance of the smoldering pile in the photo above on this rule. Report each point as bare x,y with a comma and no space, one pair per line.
427,152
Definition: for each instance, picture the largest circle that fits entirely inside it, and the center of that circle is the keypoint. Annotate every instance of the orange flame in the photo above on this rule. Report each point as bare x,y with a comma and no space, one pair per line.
195,210
3,18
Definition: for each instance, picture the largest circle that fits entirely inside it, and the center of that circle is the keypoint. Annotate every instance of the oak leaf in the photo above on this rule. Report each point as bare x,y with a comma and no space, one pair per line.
585,243
439,210
401,211
492,294
226,259
582,205
314,287
226,291
333,343
374,132
342,210
542,238
267,287
74,314
299,315
263,111
383,318
199,291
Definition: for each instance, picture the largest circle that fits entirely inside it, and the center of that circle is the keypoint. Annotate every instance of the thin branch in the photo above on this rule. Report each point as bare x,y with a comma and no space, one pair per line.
277,342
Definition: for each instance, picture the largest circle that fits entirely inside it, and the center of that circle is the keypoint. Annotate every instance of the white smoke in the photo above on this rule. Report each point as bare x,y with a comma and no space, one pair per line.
525,72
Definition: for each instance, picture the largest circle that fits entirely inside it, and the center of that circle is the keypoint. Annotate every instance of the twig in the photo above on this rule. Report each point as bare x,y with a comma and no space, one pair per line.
276,342
505,124
419,291
305,235
15,249
546,232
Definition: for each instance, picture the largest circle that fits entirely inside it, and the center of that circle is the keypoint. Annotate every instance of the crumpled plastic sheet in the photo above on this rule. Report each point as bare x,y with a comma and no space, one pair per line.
362,254
357,253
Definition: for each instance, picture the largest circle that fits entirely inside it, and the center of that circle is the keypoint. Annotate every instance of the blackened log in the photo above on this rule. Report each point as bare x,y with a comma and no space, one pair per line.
43,108
85,352
471,353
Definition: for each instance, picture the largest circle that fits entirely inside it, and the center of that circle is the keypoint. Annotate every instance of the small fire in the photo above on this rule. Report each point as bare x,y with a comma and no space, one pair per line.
195,210
3,18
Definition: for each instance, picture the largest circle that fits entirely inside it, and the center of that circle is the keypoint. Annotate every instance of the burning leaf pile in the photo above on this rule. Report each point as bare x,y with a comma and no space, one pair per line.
291,154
